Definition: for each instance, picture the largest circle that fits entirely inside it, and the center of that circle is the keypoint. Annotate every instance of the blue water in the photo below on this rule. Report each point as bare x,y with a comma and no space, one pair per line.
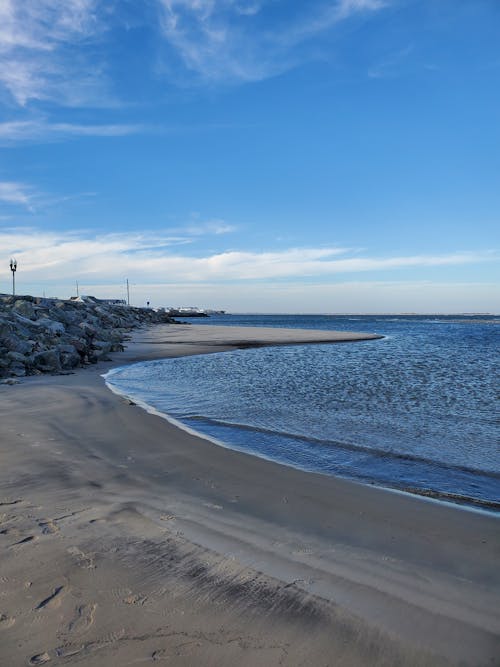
413,411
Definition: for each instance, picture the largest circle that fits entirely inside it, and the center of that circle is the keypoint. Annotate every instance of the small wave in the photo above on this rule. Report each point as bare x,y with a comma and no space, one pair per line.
360,449
453,497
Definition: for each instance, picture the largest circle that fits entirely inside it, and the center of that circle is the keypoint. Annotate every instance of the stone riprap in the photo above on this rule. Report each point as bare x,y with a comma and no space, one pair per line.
39,335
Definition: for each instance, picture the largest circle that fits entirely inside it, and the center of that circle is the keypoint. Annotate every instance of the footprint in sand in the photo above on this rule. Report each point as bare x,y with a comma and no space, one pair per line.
25,540
39,659
68,650
8,501
135,599
83,619
82,559
53,600
48,527
6,621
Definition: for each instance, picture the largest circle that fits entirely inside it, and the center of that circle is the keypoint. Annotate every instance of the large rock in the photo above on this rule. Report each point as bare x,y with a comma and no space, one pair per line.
25,308
52,326
102,346
16,344
48,361
68,356
17,369
89,328
16,356
6,327
11,342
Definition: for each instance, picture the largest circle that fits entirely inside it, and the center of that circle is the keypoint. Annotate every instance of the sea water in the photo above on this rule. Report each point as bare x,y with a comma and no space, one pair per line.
414,411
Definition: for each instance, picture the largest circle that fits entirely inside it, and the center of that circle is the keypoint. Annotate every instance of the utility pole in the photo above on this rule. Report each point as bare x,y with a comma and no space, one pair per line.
77,292
128,294
13,268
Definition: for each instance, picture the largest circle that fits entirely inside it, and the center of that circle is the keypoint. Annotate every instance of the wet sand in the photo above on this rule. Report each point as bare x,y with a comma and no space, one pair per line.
125,540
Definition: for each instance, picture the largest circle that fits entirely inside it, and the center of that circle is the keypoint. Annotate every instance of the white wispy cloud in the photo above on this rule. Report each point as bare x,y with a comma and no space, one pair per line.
209,227
17,194
20,131
224,40
391,64
155,258
41,56
48,47
40,251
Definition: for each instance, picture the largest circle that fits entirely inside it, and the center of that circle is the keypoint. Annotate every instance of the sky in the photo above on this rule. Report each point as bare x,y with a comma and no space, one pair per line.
306,156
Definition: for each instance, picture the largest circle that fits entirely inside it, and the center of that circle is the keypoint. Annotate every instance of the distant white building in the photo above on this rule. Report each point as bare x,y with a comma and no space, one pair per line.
85,298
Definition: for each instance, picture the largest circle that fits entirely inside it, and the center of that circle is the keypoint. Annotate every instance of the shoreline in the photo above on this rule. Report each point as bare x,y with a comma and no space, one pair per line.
472,503
253,561
489,507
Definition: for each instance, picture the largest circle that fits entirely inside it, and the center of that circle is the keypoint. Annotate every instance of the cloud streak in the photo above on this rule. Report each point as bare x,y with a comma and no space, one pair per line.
152,258
19,131
227,40
391,65
16,194
41,50
50,50
216,227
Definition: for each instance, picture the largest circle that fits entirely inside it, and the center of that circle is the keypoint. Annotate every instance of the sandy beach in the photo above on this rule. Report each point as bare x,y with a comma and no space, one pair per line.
125,540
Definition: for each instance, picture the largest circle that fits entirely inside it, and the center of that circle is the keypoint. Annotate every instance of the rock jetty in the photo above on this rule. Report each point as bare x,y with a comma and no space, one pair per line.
39,335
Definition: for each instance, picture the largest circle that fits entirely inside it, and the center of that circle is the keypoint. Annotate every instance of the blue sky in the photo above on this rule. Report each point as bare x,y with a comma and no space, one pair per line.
253,155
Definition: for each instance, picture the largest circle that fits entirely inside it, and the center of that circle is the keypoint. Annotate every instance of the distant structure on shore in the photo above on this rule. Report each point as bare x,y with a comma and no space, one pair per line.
192,311
94,299
180,311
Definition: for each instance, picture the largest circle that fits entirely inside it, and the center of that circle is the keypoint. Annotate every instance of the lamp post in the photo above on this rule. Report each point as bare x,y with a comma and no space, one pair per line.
13,268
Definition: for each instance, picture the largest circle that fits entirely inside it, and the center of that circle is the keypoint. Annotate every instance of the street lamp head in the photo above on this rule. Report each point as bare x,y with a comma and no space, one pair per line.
13,267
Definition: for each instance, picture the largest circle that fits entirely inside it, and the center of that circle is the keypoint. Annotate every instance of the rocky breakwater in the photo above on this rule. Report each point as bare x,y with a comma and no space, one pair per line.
39,335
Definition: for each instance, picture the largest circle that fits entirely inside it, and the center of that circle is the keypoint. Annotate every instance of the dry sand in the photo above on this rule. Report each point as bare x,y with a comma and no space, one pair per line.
125,541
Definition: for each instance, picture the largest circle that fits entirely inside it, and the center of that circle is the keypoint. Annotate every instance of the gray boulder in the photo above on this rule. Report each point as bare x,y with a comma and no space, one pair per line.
25,308
47,361
52,326
68,356
17,369
16,356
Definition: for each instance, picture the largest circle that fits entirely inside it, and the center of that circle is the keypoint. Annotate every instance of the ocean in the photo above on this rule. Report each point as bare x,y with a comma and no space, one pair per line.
414,411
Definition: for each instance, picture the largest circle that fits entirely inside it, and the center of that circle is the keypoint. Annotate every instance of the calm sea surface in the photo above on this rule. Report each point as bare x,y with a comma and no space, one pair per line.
413,411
